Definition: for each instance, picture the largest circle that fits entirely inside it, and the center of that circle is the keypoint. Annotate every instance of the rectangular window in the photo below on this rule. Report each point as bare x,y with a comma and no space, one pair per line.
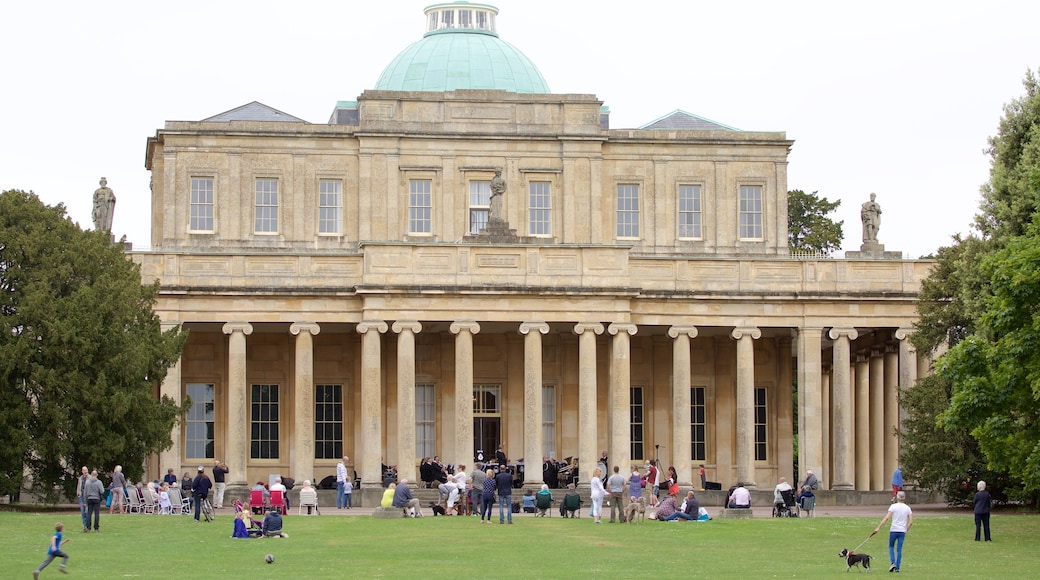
697,424
465,19
539,202
760,424
448,19
425,418
750,212
690,212
330,206
266,206
628,211
479,205
263,422
328,421
549,420
198,426
636,419
420,207
201,219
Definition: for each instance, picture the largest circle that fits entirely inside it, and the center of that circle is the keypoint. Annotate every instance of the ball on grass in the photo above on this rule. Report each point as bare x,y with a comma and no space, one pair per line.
269,559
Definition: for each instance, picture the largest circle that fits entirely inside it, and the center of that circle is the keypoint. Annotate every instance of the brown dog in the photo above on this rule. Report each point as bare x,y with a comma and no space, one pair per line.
636,509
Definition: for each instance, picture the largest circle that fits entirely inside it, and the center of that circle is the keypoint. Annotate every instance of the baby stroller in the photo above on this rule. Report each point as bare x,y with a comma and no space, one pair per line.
788,508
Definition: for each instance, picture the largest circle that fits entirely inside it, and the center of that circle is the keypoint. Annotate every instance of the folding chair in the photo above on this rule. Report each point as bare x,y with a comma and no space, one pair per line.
278,502
309,499
256,502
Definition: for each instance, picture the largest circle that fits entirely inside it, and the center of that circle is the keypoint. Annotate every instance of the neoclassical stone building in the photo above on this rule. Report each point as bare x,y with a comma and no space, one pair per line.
355,288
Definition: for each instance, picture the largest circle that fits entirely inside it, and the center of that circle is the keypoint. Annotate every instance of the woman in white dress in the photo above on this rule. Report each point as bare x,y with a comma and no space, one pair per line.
597,495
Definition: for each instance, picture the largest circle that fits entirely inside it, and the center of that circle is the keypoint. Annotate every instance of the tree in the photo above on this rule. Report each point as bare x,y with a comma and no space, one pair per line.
81,352
980,300
808,227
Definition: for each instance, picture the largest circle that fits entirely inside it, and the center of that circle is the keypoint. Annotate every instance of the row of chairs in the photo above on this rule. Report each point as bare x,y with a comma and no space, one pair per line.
308,501
148,505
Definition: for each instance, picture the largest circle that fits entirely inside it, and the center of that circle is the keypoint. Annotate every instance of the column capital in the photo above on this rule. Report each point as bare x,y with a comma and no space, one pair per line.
526,327
471,326
903,333
617,327
243,327
752,331
413,326
366,325
581,327
836,332
679,329
298,327
877,350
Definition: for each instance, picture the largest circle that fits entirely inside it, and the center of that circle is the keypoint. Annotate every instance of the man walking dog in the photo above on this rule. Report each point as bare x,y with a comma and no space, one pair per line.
902,518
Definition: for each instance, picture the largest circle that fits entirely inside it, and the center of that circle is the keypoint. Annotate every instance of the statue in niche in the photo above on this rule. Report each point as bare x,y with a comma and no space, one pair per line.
870,213
498,188
104,207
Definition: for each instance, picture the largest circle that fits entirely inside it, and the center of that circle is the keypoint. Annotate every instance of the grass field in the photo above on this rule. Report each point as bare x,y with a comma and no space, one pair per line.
459,547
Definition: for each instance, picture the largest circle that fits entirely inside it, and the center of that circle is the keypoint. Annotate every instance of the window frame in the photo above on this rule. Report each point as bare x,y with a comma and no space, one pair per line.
264,427
546,210
627,219
549,420
199,417
746,228
414,210
479,191
268,205
761,417
637,423
696,212
336,209
326,445
193,203
698,423
425,420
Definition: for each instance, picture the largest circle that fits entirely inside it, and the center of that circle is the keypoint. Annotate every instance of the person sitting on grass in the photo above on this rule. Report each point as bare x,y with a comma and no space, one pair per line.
668,510
272,527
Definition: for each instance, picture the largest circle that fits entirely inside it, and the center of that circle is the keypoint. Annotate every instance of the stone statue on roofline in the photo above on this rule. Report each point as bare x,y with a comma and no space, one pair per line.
104,207
870,214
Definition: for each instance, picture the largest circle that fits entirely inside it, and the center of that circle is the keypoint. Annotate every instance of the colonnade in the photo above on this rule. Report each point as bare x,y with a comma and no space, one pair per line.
848,406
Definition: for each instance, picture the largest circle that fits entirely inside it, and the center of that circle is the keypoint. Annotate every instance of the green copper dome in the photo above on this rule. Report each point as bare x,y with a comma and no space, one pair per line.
461,50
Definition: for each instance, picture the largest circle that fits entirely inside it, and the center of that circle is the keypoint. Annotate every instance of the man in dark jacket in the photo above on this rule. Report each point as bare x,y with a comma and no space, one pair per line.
200,487
93,494
272,526
504,481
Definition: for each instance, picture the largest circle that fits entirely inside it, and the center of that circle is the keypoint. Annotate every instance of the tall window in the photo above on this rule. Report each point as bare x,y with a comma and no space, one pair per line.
201,219
328,421
539,211
690,211
420,207
263,422
635,415
750,212
266,206
479,205
760,424
330,206
425,417
198,427
628,211
549,420
697,424
487,418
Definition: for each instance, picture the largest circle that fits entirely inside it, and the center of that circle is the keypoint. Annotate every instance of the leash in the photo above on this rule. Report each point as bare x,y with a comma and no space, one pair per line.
852,551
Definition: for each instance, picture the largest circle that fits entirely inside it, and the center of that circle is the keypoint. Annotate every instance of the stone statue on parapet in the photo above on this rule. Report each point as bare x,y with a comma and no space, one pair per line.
870,213
498,189
104,207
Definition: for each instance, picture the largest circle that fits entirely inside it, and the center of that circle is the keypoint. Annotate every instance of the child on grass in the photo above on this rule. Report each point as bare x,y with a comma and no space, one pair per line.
54,551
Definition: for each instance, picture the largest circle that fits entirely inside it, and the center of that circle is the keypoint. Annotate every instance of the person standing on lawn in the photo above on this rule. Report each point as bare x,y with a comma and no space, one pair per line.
616,489
982,505
220,471
902,518
94,494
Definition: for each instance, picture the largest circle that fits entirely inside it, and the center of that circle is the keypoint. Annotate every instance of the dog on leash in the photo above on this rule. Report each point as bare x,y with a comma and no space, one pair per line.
853,559
636,509
438,510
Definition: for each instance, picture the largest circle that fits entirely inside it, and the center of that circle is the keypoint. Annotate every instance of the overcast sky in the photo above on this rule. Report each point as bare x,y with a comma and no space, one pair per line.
896,98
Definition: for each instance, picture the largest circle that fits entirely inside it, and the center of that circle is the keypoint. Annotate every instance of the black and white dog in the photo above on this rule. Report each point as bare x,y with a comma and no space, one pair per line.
853,559
438,510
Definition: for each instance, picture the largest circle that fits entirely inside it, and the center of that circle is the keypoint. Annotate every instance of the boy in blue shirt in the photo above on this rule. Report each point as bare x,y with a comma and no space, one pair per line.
54,551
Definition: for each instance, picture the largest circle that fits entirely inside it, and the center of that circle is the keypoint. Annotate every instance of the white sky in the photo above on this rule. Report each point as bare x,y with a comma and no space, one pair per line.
896,98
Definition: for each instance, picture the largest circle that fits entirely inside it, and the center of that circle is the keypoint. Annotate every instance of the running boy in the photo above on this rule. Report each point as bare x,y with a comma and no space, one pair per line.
54,551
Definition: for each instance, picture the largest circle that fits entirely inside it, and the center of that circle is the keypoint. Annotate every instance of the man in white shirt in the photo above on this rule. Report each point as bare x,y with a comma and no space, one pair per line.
740,498
341,478
277,486
778,491
902,518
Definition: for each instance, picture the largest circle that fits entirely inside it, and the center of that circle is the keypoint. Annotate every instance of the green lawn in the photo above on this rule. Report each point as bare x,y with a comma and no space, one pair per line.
458,547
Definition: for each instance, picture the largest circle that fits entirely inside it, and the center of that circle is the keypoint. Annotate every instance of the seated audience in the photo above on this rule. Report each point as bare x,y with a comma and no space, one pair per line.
272,526
528,502
388,496
740,498
668,510
778,495
403,499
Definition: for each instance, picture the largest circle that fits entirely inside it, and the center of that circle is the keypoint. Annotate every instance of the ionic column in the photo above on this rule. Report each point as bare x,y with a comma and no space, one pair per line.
890,414
745,337
464,331
587,428
237,422
811,411
907,379
171,387
841,399
681,401
302,453
620,395
533,332
877,418
406,331
862,410
825,472
371,405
